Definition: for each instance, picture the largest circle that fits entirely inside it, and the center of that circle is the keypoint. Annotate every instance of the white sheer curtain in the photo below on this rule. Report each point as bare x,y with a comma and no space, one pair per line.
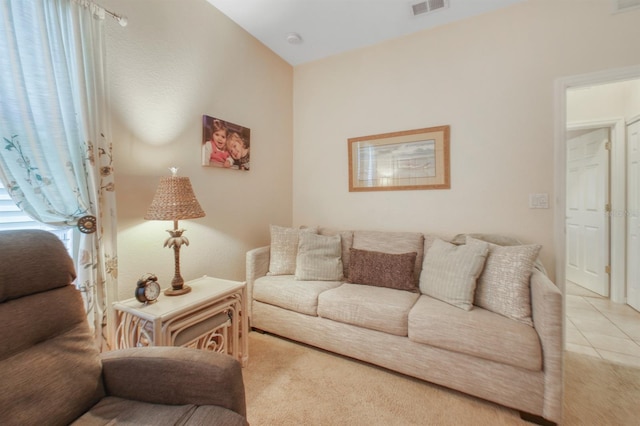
55,151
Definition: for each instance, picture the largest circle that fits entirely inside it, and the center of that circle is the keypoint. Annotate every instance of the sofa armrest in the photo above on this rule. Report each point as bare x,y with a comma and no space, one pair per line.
547,312
174,376
257,266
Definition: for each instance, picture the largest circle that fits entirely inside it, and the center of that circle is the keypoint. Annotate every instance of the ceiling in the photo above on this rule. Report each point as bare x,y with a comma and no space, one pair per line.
328,27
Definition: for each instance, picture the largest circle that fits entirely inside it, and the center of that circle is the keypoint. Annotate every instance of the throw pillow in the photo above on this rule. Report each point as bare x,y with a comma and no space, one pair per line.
347,243
503,287
382,269
319,257
450,272
392,242
284,249
497,239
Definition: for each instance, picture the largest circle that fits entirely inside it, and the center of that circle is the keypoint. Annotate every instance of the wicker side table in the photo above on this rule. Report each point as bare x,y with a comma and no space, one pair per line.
210,317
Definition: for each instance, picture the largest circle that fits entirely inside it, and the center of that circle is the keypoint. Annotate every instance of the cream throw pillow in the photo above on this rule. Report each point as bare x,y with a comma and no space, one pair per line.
503,287
284,249
449,272
319,257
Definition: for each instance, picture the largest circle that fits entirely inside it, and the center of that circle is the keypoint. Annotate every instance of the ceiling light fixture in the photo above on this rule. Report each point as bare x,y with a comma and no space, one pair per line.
294,38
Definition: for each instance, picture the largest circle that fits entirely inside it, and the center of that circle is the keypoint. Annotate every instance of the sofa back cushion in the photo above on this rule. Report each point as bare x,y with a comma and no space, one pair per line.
49,362
32,261
394,243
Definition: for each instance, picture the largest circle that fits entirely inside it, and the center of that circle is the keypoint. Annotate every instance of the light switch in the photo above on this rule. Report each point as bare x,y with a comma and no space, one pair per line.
539,201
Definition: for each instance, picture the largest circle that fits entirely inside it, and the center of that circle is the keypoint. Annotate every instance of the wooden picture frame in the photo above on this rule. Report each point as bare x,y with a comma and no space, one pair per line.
412,159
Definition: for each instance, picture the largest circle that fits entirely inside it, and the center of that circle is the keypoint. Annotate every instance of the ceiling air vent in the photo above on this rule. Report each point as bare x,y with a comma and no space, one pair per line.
625,5
429,6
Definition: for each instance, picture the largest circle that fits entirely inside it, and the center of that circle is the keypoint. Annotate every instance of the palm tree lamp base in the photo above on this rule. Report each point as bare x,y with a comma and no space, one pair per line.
177,291
175,241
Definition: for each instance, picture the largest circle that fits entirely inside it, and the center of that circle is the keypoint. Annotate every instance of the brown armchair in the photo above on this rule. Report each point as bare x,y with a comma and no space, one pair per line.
52,373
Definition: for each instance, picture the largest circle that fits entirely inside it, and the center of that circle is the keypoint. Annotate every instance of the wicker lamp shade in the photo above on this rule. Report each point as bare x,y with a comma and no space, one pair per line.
174,200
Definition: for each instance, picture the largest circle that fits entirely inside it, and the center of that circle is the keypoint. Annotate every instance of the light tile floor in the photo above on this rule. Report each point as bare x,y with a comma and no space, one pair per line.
598,327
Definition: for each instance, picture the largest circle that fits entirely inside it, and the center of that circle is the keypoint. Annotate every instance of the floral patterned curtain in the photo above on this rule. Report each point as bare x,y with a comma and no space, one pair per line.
55,149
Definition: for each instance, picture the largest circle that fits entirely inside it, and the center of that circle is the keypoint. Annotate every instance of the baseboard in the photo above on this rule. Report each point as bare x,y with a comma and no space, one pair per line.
532,418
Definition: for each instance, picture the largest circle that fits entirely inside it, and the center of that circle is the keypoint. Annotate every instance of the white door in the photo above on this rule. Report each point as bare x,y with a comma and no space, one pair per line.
587,218
633,219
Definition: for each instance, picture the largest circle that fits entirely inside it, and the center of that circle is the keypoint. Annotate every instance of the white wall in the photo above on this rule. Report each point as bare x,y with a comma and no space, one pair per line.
490,78
604,101
174,62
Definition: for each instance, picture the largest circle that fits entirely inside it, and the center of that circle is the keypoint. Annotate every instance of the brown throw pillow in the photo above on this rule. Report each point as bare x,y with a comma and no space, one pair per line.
382,269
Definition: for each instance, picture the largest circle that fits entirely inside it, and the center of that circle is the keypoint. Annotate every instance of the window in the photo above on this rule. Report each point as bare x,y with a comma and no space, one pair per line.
11,217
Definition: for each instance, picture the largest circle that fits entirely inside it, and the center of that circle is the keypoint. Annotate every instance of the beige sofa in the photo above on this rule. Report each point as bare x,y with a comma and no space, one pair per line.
513,361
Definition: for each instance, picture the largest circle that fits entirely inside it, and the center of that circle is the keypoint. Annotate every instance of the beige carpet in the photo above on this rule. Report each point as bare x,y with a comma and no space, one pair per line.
292,384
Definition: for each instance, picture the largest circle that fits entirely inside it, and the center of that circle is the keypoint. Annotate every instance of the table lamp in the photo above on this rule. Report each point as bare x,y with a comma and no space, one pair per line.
175,200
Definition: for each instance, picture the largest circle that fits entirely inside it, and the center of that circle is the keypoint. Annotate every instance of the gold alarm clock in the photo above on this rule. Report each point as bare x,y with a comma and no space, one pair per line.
147,289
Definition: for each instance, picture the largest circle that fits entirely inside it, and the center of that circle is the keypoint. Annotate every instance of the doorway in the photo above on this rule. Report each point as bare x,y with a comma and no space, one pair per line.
598,322
587,209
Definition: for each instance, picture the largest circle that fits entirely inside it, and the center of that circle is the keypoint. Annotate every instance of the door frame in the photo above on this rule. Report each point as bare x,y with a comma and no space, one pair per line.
560,167
617,197
631,121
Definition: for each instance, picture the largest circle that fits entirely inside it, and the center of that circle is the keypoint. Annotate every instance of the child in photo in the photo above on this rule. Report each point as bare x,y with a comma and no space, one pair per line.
214,150
238,148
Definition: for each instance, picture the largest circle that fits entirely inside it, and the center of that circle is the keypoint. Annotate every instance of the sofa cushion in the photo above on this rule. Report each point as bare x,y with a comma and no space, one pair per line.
319,257
377,308
382,269
126,411
113,410
284,249
498,239
478,332
51,362
215,415
503,287
346,238
392,242
286,292
449,272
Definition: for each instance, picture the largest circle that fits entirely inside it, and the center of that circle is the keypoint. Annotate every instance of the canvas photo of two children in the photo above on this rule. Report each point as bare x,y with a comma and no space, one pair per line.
225,144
